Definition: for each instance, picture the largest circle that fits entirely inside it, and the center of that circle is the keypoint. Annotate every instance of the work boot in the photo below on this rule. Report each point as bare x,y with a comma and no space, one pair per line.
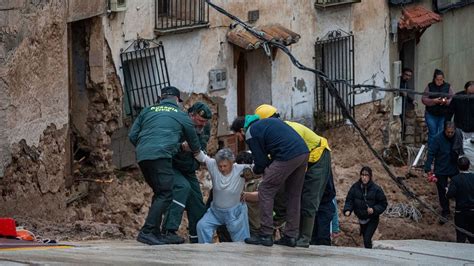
172,238
286,241
265,240
193,239
150,239
306,229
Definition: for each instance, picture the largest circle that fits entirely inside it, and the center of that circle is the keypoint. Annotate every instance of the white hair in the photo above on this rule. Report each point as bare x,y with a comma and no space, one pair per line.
225,154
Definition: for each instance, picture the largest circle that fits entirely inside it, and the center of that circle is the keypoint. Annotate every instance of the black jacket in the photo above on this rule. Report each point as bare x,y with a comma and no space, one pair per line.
462,189
361,197
444,156
463,111
438,110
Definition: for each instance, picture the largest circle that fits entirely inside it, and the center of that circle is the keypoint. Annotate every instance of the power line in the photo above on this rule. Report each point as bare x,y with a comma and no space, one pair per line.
334,93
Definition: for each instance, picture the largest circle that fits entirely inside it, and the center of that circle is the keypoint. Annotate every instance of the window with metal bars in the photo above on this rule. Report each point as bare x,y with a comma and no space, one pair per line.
177,15
145,73
334,55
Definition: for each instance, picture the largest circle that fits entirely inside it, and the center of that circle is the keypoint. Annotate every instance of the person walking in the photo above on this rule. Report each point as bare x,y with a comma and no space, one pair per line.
156,134
367,200
461,188
443,154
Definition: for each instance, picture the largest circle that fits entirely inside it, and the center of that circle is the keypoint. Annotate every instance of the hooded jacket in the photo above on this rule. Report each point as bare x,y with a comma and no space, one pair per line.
361,197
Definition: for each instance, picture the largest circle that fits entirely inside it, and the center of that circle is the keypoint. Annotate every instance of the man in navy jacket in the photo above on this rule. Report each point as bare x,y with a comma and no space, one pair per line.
445,163
281,155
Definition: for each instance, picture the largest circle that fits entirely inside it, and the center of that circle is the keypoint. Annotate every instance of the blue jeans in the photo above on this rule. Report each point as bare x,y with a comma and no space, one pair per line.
235,219
335,219
435,125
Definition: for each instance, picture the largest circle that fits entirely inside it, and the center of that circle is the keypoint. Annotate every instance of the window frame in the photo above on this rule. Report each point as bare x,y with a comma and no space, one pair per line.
445,7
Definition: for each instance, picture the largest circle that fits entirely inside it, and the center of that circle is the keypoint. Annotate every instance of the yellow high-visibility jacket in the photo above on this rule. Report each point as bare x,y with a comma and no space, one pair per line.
316,144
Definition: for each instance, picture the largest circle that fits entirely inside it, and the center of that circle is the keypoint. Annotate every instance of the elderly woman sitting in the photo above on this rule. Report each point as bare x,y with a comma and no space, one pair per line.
226,208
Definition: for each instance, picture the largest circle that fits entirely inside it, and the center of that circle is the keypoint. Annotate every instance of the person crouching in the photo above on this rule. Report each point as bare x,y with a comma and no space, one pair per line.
226,207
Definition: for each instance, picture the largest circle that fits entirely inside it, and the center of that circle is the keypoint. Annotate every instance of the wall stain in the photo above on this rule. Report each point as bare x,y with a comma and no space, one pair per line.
300,85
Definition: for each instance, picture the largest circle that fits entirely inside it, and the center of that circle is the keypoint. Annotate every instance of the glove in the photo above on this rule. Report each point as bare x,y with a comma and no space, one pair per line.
432,178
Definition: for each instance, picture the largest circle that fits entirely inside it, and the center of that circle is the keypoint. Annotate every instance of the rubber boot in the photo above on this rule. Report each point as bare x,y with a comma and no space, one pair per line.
306,229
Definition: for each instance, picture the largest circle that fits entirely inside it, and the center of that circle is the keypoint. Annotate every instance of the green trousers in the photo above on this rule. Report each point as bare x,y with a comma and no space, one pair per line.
186,195
315,181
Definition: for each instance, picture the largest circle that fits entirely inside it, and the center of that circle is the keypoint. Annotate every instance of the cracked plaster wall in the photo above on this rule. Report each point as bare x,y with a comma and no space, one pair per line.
191,55
32,36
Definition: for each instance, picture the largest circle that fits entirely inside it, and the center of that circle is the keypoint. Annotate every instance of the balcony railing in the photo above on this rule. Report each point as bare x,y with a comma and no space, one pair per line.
330,3
180,15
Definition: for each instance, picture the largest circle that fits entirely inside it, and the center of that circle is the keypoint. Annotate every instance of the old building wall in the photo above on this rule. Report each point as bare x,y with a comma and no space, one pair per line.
369,22
33,35
34,106
35,110
83,9
292,90
449,46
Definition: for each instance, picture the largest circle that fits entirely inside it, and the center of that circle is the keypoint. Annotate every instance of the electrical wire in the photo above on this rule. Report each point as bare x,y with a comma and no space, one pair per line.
345,112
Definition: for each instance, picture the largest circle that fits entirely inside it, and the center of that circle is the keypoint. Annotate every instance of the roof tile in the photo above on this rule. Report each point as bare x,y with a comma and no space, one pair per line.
417,17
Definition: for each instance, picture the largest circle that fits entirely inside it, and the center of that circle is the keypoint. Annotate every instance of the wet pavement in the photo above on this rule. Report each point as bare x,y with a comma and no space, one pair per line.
412,252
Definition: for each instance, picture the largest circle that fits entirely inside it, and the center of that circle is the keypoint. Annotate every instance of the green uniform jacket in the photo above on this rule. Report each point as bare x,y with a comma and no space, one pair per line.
159,130
185,161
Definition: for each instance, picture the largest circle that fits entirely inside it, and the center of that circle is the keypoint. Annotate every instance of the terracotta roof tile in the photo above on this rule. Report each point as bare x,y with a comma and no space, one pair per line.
247,41
417,17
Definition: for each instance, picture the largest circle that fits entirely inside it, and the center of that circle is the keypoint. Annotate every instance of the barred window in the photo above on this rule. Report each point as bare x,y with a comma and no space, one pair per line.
174,15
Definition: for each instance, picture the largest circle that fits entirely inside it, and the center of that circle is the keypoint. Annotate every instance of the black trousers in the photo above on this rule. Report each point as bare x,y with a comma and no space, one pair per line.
441,185
367,231
159,176
322,224
465,220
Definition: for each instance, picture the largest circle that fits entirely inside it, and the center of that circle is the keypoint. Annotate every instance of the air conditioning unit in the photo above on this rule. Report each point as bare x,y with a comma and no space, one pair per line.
118,5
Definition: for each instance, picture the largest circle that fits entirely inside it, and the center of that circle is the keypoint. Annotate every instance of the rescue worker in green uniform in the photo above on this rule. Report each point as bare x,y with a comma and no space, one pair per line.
157,134
186,190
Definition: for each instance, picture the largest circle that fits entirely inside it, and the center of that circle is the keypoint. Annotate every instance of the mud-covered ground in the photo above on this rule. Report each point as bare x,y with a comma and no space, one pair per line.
116,210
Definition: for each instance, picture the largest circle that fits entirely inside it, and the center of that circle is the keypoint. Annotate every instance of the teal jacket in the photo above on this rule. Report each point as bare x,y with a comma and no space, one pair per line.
159,130
184,161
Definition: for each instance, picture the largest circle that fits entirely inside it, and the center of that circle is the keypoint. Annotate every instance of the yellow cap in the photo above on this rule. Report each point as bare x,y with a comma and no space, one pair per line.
265,111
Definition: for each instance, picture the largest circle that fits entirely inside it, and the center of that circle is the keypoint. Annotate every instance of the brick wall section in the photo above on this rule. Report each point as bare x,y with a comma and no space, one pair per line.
229,141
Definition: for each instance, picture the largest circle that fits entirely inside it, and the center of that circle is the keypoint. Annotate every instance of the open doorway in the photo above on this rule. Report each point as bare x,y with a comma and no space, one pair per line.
254,83
409,131
407,56
254,79
78,33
